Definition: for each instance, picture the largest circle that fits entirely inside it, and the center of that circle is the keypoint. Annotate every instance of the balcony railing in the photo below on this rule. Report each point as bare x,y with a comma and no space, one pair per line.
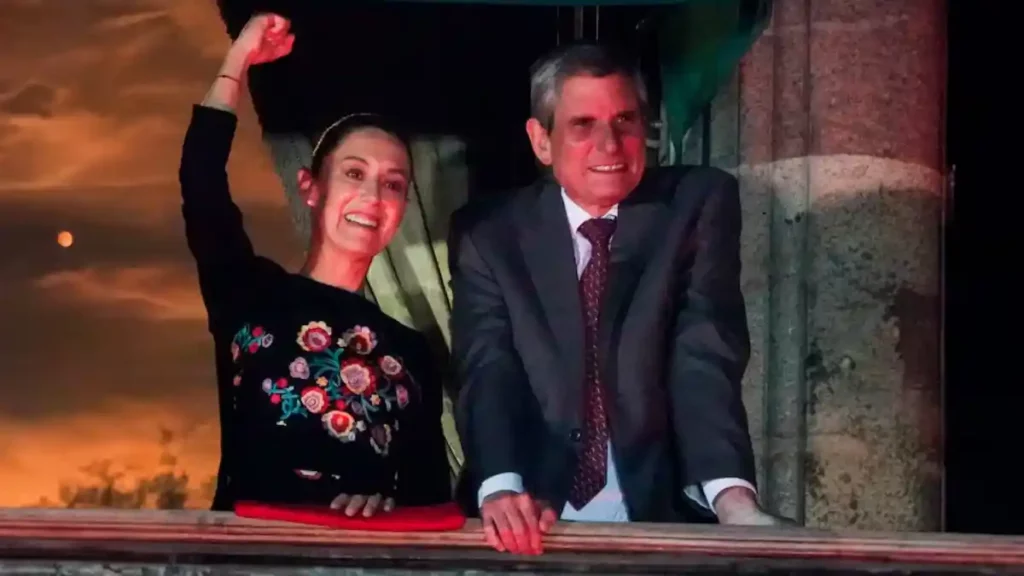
37,541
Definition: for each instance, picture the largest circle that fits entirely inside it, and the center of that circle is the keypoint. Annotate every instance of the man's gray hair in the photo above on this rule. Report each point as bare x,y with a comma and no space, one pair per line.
548,75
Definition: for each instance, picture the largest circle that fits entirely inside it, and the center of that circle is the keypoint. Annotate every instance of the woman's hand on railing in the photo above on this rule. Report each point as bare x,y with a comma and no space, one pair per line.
359,504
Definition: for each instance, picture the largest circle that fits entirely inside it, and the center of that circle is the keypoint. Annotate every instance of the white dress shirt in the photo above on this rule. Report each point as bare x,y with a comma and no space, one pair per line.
608,505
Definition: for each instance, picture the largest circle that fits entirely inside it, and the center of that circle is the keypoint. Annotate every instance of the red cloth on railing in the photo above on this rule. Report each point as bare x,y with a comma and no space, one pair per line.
441,518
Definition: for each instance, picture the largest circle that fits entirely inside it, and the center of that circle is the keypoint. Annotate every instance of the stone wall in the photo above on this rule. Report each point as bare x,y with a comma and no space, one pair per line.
834,125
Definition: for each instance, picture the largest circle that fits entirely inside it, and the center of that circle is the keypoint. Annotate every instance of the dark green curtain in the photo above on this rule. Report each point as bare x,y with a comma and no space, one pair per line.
700,43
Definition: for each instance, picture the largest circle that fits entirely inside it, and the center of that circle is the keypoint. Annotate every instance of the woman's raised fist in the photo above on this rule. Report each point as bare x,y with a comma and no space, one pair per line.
265,38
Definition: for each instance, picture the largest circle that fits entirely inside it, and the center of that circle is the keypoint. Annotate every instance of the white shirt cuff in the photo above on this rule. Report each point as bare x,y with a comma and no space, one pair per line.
508,481
706,493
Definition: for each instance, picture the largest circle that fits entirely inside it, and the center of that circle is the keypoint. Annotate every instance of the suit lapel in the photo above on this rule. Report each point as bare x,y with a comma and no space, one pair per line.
550,258
547,246
641,222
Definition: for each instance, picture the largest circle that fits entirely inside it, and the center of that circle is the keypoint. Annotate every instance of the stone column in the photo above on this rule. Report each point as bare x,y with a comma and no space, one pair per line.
835,127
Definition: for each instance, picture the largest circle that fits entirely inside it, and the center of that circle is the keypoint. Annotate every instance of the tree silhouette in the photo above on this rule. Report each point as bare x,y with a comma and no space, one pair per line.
104,485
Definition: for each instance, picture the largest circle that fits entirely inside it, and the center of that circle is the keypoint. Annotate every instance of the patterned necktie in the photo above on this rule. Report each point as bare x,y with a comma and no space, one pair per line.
592,470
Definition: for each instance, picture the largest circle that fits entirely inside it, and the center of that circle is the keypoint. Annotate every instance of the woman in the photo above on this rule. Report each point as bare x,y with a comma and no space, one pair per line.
324,398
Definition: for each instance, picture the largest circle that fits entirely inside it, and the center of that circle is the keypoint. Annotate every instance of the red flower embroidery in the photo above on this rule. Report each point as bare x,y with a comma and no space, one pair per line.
254,346
314,337
257,331
360,339
340,404
314,399
340,425
275,398
390,366
357,377
282,383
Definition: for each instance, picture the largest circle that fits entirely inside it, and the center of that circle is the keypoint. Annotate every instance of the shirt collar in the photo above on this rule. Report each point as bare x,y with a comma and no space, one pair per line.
577,216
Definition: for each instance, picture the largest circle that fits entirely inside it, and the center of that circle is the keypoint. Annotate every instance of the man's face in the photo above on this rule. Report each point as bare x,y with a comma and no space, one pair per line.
596,146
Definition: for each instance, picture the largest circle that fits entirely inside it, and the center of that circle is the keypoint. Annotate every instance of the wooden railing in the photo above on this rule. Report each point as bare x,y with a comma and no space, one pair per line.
41,541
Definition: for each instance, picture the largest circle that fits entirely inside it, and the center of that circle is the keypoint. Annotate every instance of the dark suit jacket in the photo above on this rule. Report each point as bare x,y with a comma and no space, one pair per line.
673,331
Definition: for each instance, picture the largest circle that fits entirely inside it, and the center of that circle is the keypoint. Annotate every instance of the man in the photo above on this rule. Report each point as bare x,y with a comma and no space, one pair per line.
598,328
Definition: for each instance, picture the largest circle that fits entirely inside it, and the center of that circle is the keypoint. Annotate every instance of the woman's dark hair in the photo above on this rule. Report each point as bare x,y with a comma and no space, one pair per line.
336,133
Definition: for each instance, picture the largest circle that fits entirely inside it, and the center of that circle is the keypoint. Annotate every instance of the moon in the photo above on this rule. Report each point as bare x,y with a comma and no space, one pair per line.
65,239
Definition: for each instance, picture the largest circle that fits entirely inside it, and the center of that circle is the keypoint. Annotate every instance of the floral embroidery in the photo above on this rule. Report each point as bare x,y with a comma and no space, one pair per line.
308,474
314,399
390,366
357,377
299,368
314,337
340,424
360,339
280,392
237,381
380,439
249,340
351,391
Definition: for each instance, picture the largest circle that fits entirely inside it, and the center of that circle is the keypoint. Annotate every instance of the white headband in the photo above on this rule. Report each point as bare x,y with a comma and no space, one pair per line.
335,125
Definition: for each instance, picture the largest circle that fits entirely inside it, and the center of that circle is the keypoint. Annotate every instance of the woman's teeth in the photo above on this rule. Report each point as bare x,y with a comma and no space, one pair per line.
360,220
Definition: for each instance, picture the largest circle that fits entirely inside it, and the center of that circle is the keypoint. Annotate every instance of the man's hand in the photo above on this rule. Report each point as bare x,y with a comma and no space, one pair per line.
364,505
265,38
514,522
738,506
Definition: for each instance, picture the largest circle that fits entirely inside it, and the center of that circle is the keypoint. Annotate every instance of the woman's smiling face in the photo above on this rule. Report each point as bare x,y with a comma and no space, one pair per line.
361,192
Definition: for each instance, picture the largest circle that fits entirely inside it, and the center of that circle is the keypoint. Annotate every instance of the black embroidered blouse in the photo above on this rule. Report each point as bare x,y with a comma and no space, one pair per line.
320,392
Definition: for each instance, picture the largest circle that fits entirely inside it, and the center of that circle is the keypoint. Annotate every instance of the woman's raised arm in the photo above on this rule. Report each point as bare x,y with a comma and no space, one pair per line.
213,223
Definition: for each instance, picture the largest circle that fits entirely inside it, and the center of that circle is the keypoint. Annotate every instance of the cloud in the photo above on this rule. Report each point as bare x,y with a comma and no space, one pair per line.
31,100
158,293
202,27
84,149
105,344
116,316
53,451
103,103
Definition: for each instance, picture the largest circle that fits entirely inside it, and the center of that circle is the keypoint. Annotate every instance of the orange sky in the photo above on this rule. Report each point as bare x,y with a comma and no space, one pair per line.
104,343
